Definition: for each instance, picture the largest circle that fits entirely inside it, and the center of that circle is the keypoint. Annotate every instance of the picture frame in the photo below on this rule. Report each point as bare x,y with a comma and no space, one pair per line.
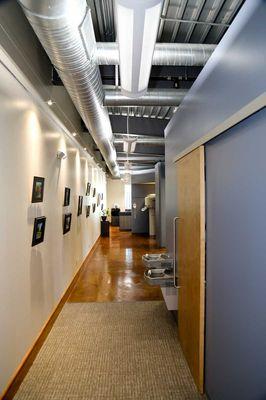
67,223
67,196
88,211
101,196
98,199
93,208
80,203
38,231
94,192
37,189
88,189
102,206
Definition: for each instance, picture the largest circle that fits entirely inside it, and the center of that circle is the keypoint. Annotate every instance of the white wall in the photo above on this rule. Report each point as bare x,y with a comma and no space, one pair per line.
33,279
115,193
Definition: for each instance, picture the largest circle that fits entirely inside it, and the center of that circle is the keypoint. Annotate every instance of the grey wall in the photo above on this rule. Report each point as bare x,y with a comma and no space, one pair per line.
160,203
236,260
140,219
143,178
233,76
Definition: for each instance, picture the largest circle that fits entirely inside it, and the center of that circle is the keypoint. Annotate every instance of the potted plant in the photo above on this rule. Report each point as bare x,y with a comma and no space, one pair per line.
105,214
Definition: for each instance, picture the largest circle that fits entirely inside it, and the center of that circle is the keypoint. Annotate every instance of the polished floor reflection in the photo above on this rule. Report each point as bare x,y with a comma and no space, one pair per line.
115,270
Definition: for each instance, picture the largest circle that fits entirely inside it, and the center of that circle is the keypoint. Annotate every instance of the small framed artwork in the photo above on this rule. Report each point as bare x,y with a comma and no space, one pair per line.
88,211
102,206
67,223
37,189
98,199
88,189
38,230
101,196
94,192
93,207
80,202
67,197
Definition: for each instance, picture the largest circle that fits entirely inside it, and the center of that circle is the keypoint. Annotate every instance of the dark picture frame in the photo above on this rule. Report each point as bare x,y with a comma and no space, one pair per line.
67,223
80,203
101,196
37,189
67,196
88,189
88,211
102,206
98,199
94,192
38,231
93,207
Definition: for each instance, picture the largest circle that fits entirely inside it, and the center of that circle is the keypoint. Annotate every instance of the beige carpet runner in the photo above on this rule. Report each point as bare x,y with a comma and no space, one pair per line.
110,351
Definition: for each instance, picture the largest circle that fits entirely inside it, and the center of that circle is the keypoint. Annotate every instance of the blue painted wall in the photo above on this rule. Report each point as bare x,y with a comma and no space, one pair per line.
234,75
236,262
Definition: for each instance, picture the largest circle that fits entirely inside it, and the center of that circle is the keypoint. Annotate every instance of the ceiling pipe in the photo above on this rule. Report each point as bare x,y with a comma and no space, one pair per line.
153,158
167,54
153,97
65,29
139,172
152,140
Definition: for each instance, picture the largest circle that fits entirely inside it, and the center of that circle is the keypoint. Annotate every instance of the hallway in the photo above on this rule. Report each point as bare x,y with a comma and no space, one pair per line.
108,343
128,128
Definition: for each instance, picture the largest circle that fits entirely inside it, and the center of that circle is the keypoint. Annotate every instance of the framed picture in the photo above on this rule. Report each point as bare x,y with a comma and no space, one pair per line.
38,231
102,206
88,189
94,192
67,223
37,189
101,196
93,207
98,199
80,202
88,211
67,197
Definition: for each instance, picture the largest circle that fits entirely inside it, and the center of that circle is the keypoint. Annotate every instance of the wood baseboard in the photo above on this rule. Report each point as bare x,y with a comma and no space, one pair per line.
32,353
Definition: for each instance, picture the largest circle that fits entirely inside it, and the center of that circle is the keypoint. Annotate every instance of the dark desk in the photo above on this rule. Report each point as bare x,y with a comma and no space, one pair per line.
125,221
105,228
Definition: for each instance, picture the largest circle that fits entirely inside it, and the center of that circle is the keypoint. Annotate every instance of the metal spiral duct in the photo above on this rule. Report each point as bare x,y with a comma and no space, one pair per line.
153,97
178,54
65,29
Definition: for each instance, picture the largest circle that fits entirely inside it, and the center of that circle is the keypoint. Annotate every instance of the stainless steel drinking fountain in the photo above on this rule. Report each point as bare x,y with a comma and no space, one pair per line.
158,269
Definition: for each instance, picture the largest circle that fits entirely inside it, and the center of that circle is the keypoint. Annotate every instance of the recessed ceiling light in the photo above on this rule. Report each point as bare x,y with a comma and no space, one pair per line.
85,148
50,102
74,134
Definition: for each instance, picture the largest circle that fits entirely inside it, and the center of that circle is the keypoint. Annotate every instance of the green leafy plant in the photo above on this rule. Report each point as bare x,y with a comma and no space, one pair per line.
105,213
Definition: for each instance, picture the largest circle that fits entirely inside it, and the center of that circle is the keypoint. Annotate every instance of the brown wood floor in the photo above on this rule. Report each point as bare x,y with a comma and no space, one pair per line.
115,270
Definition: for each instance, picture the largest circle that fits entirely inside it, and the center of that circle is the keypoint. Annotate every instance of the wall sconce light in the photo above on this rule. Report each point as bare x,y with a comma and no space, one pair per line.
61,155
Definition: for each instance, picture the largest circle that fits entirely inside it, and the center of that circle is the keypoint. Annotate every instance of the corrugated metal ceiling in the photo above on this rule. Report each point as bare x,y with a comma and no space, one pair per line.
182,21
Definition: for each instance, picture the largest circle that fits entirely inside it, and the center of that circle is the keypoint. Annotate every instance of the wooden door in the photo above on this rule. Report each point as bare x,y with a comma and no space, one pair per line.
191,260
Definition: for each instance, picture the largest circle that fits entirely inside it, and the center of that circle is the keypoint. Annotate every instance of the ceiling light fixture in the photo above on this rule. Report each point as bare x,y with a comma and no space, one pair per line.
137,26
74,134
50,102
